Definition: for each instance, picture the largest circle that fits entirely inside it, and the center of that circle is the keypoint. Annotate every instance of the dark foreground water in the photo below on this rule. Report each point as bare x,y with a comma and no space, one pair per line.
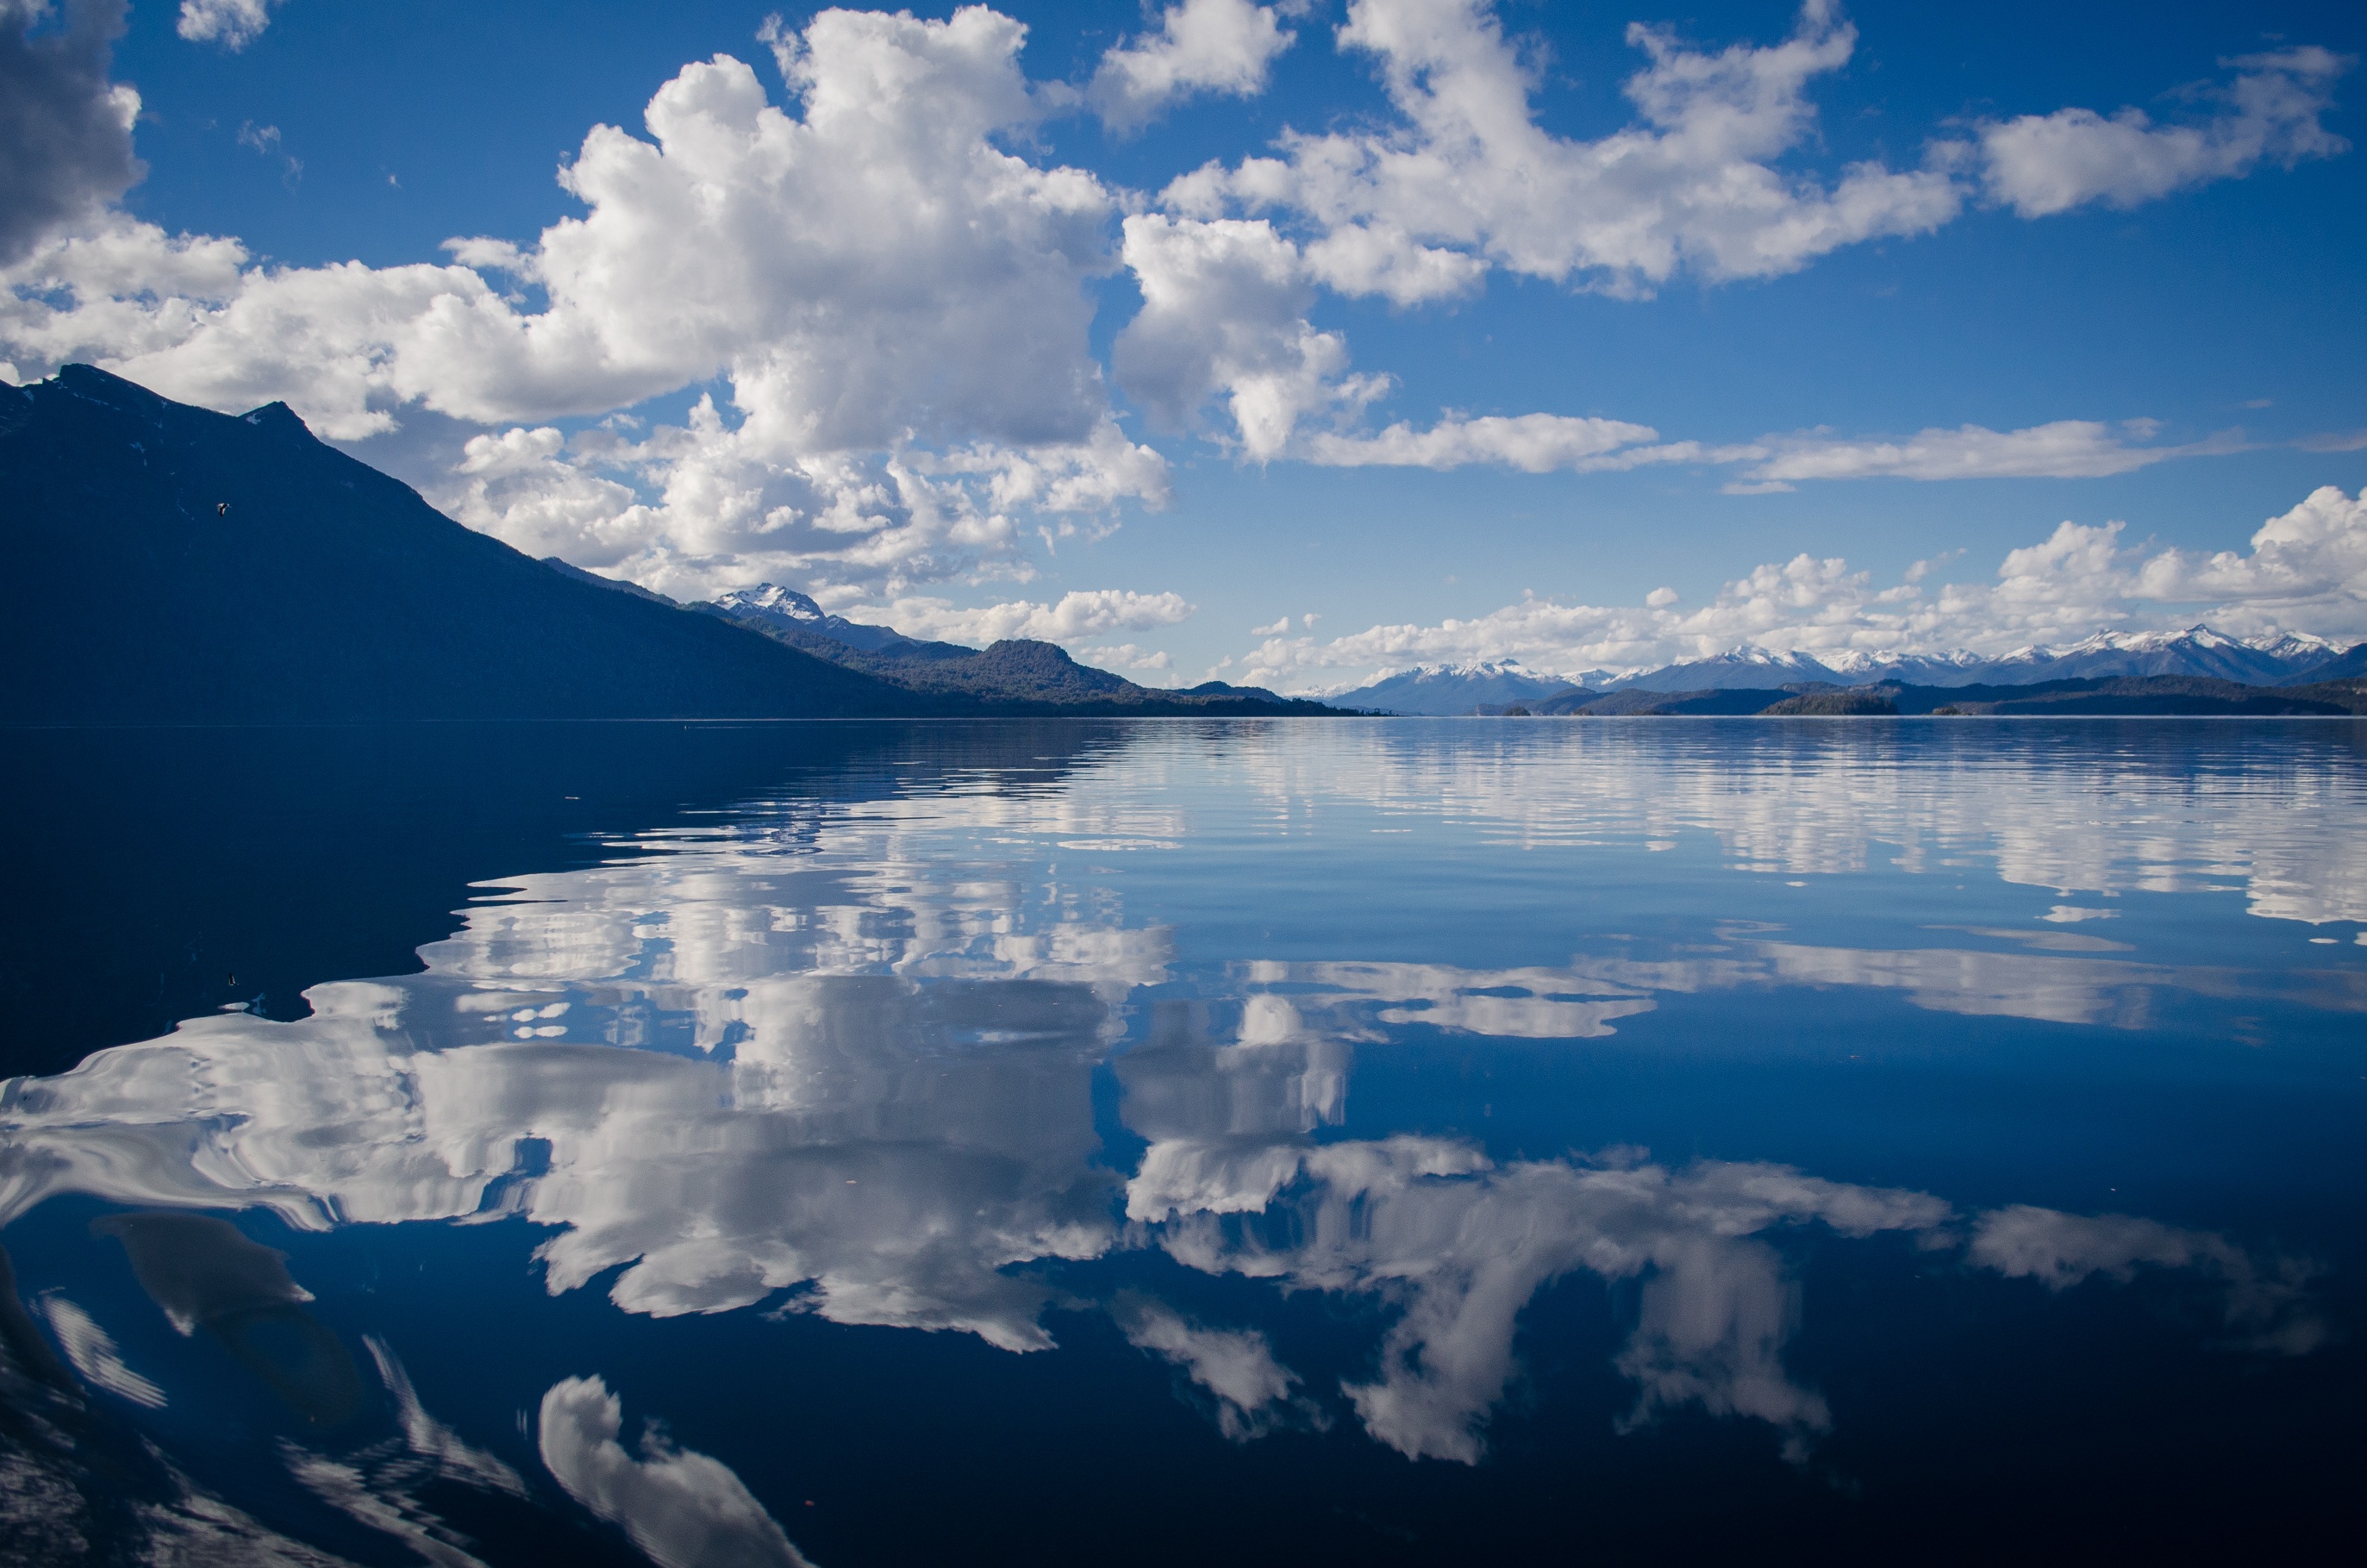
1307,1143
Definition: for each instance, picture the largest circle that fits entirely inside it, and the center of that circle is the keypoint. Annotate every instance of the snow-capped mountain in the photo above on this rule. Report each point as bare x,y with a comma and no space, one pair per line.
787,607
2348,664
2197,651
1452,688
1737,669
1855,667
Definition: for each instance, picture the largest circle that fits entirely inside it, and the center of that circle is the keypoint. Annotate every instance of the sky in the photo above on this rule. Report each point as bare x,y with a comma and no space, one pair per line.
1285,343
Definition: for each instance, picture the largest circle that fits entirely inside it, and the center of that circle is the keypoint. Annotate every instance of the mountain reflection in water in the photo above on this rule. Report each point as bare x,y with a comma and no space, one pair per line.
1081,1032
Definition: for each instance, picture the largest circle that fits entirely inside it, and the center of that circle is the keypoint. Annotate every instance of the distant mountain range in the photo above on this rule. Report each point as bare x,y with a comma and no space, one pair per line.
2199,652
2101,696
168,564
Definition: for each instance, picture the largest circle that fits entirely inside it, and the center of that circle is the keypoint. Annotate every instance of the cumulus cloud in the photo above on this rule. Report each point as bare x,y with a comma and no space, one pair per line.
898,305
2306,571
703,507
1131,657
1470,179
2271,112
1079,613
233,24
1224,315
682,1507
65,131
1202,46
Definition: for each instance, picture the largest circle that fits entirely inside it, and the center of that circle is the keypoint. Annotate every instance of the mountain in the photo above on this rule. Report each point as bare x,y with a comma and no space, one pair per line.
168,564
2113,696
1644,700
1740,669
569,568
172,565
1855,667
1454,689
2348,665
2197,651
771,606
1016,671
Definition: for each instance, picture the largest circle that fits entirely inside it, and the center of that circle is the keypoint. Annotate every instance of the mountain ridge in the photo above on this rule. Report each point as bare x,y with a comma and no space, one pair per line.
256,575
2200,651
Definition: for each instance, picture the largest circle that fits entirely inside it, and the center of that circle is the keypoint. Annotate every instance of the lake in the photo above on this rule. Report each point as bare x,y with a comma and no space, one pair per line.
1259,1141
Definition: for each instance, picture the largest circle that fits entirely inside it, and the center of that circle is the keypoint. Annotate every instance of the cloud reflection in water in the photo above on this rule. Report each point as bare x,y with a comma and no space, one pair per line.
843,1060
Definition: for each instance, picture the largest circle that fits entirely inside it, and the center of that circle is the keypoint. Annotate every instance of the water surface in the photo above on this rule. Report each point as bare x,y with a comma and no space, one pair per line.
1276,1142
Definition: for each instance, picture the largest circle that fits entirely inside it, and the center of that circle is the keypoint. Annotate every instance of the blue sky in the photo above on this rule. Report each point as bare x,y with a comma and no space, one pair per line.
1472,332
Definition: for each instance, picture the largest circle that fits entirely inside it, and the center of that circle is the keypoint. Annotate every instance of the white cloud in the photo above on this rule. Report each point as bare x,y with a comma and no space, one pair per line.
2067,448
1202,46
2045,164
2306,571
1470,178
685,1508
1128,656
1533,443
898,307
700,508
1081,613
67,130
233,24
1224,314
1545,443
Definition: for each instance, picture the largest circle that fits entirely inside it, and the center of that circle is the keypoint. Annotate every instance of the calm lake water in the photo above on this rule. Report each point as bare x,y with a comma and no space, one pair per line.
1300,1143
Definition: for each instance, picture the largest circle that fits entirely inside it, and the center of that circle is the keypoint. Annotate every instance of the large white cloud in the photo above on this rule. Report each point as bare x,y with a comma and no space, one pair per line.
1471,173
898,305
1202,46
1224,315
2306,573
1466,180
2045,164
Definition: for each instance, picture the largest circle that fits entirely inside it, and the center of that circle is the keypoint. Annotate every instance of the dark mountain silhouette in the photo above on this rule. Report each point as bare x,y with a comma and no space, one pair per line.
1017,671
174,565
1643,700
170,564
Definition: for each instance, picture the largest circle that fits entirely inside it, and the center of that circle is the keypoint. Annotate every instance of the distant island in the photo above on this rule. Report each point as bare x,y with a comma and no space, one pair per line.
174,565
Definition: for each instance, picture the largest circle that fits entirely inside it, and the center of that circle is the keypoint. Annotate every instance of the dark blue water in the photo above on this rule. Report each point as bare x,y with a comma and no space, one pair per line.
1306,1142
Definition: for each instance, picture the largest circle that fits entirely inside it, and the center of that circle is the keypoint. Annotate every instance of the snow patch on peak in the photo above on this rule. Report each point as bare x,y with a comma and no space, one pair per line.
770,601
